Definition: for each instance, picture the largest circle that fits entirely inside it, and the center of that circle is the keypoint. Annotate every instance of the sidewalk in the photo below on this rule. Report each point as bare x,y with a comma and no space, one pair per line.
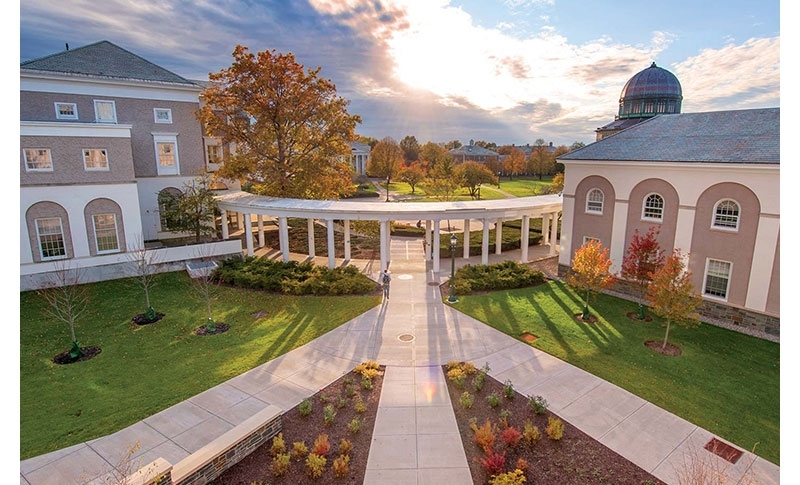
415,440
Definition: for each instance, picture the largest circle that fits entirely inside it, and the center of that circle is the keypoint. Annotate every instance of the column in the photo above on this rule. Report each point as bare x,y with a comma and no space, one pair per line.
260,230
428,246
466,238
312,250
498,236
545,229
248,234
435,246
331,245
224,220
283,237
384,249
526,228
553,233
485,243
347,239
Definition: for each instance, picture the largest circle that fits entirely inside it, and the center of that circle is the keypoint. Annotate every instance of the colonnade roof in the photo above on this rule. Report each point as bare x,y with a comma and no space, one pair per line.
360,209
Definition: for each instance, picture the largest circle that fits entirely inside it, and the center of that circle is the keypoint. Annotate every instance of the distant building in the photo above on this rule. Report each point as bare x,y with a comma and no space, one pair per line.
360,156
652,91
474,153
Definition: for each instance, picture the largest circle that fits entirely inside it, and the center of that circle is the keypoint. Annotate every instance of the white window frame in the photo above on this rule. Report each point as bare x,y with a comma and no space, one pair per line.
60,116
105,229
723,221
166,111
86,167
113,104
40,236
159,139
710,272
216,146
595,206
589,238
28,167
645,208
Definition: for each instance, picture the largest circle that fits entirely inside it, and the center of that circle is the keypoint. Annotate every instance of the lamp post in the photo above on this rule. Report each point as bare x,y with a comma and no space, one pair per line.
453,241
479,191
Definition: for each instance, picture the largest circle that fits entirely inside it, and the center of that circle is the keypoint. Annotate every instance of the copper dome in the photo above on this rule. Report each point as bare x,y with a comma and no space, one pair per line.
650,92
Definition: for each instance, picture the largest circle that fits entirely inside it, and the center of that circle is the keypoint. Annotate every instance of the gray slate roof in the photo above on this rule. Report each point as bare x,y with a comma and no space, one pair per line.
737,136
104,59
471,150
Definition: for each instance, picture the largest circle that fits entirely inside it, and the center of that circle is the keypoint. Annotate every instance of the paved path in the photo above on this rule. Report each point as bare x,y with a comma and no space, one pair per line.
415,440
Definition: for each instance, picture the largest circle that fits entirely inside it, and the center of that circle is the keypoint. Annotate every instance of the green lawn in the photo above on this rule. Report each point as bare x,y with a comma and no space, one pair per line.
725,382
145,369
524,186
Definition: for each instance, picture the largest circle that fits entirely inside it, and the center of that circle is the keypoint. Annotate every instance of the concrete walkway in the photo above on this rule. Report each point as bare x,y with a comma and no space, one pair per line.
415,440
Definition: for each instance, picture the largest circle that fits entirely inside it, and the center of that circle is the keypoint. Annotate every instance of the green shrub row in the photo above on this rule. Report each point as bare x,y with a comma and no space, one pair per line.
499,276
293,278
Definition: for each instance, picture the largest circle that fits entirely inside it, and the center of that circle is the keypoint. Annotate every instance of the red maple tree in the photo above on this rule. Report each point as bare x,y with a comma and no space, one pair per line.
643,258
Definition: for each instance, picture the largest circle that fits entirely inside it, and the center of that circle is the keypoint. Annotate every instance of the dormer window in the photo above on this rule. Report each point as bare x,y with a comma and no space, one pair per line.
66,111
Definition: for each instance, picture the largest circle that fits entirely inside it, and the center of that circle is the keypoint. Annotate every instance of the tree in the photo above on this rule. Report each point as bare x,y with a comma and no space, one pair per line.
193,210
412,175
385,161
144,273
487,145
290,128
452,145
671,294
541,159
66,299
367,140
473,174
514,162
643,257
411,148
590,272
444,180
558,167
576,145
431,154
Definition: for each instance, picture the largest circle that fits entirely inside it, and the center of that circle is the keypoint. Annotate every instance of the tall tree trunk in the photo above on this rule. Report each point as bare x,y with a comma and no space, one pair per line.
666,336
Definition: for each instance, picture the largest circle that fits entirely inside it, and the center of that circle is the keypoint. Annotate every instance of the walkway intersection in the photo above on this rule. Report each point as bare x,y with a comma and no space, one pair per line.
415,439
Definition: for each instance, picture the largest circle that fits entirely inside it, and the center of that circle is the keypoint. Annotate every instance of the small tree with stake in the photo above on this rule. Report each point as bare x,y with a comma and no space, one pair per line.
589,273
66,300
642,258
144,271
671,294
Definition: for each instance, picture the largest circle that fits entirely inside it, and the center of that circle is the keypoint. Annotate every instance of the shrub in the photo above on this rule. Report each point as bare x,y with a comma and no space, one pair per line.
350,390
299,450
517,477
359,406
530,433
555,428
538,404
504,415
366,383
341,402
478,381
522,465
321,445
345,447
493,399
280,464
341,466
508,389
304,407
467,400
328,414
457,376
485,436
499,276
511,436
354,425
494,463
278,445
316,465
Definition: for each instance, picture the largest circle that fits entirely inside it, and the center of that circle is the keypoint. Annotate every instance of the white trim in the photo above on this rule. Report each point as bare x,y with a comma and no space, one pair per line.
60,116
644,208
163,138
49,158
113,108
129,88
95,169
156,119
56,128
727,282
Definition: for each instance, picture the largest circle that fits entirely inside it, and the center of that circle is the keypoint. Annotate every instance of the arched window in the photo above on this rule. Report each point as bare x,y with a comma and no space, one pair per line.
726,214
594,201
653,207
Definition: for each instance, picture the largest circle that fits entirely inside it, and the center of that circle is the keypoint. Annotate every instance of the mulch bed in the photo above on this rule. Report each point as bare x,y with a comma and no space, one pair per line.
87,353
141,319
656,346
635,316
218,328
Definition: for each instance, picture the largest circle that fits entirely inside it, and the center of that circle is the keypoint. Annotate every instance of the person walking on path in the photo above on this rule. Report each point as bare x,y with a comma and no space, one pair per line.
386,279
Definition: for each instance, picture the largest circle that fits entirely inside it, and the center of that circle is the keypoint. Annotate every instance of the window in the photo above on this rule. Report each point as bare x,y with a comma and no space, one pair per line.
51,238
38,160
105,232
95,159
105,111
594,201
717,278
167,154
587,239
66,111
214,154
653,207
162,115
726,215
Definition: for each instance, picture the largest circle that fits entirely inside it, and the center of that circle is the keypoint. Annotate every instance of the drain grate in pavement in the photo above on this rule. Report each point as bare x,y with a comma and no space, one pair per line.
723,450
433,283
406,337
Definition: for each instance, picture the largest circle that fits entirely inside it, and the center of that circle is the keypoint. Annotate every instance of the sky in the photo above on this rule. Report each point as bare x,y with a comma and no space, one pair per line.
502,71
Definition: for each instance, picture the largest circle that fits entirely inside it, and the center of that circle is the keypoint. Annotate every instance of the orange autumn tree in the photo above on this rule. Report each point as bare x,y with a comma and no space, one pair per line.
590,272
290,129
671,294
